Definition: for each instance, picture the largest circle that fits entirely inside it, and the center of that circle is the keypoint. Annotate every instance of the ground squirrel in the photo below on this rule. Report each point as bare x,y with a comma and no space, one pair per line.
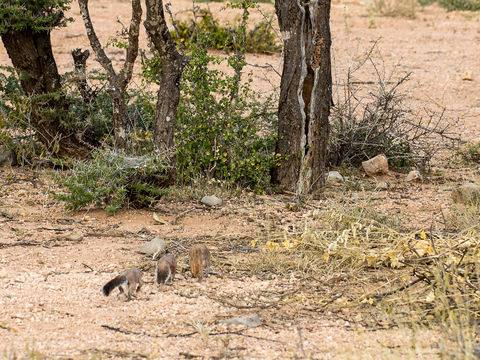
199,258
131,278
165,268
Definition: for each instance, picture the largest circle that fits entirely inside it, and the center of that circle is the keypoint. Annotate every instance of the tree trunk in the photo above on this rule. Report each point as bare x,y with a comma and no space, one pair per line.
118,82
305,94
32,56
173,64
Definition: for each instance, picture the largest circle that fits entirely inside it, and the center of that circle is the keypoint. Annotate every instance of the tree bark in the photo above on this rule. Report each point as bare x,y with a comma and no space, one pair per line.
31,55
173,64
80,61
305,94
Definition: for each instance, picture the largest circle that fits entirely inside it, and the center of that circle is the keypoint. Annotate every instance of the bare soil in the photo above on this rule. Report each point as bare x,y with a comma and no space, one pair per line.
54,262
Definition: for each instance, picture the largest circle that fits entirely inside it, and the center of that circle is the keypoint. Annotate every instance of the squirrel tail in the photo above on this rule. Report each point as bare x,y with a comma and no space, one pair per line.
112,284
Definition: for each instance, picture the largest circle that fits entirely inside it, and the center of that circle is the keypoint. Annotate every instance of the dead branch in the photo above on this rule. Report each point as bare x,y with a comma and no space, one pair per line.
128,332
20,243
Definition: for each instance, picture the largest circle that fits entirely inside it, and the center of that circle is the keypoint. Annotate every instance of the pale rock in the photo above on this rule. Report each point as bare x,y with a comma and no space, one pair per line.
211,200
382,185
334,178
153,246
414,175
74,237
3,273
377,165
466,194
249,321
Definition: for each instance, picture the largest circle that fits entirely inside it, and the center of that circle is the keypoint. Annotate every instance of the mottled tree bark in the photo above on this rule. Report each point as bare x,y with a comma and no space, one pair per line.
305,94
173,64
80,78
32,57
118,82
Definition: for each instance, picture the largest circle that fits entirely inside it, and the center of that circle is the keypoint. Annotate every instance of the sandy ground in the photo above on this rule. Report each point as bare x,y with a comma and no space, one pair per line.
54,263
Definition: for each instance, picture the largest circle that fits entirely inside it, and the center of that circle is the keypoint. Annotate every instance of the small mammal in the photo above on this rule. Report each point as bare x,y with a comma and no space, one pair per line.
165,269
131,278
199,258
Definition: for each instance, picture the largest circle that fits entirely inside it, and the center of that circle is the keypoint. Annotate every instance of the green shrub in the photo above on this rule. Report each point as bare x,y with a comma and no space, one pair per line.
224,130
469,153
16,132
452,5
114,181
97,115
261,39
18,15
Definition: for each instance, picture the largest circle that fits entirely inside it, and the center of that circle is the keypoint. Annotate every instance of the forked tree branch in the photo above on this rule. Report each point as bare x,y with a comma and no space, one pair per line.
132,50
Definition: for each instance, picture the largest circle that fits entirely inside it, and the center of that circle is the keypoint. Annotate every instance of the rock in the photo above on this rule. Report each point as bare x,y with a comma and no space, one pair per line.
211,200
376,166
334,178
249,321
153,246
7,157
466,194
3,274
414,175
382,185
74,237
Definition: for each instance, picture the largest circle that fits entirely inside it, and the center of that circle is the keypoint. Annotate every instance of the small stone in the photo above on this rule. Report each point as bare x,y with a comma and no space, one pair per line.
382,185
211,200
249,321
466,194
334,178
74,237
153,246
376,166
3,274
467,76
414,175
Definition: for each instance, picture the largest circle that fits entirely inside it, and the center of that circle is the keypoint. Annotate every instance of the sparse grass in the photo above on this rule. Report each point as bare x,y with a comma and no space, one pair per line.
393,8
380,272
30,353
461,216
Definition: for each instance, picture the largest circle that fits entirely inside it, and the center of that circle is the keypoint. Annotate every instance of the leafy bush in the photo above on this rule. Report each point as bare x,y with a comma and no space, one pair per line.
113,181
16,132
220,134
37,15
97,114
452,5
260,39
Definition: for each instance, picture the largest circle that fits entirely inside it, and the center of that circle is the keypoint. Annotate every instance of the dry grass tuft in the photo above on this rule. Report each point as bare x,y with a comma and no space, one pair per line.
393,8
356,258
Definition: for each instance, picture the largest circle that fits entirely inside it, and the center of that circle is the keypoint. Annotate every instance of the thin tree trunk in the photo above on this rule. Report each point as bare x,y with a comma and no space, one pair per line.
305,94
118,82
173,64
31,55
